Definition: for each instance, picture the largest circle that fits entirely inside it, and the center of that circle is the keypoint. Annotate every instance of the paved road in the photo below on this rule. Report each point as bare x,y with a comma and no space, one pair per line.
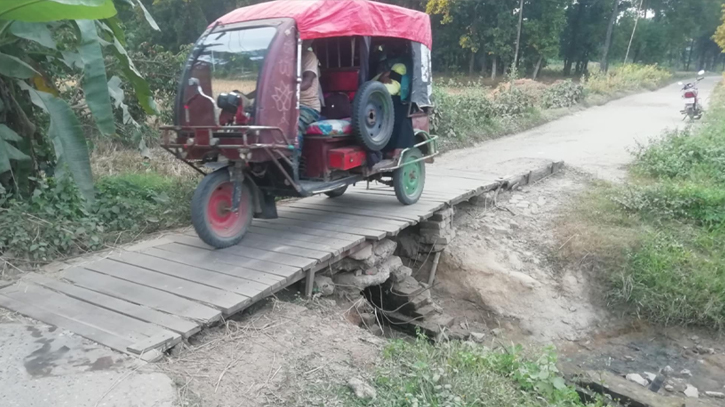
597,140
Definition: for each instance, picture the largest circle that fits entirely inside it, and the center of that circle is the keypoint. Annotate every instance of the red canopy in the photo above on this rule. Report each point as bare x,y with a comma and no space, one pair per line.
338,18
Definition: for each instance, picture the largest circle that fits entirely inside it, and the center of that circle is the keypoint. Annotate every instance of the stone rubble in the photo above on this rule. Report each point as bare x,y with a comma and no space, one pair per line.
361,389
636,378
715,394
691,392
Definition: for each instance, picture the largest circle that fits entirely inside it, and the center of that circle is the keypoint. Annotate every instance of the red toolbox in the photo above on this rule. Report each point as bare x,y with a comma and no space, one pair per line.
346,158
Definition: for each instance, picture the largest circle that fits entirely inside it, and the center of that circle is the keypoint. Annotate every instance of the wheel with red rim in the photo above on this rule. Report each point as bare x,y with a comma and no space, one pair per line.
211,211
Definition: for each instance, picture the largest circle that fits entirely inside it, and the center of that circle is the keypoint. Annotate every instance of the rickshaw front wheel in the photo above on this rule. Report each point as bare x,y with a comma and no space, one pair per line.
211,211
409,179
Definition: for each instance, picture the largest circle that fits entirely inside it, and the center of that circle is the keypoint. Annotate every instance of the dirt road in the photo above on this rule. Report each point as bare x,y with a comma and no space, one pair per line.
596,140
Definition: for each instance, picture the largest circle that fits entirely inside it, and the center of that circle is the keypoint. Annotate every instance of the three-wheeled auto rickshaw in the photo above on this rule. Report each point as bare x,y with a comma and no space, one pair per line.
238,106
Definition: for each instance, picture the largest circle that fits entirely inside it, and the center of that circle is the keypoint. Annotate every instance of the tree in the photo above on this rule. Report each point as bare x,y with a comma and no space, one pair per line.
543,28
719,36
30,55
604,64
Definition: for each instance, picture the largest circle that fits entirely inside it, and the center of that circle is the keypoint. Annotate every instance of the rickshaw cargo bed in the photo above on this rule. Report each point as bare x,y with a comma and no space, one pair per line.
346,158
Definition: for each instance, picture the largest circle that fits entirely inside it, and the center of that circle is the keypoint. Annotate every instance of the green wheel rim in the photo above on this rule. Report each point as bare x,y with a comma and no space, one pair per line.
411,176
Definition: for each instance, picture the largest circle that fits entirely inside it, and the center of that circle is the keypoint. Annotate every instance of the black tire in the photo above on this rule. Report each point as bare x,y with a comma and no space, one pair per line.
406,193
373,115
336,192
214,226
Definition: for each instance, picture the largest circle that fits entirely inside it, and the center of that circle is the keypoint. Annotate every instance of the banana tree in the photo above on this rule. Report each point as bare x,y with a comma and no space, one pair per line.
31,55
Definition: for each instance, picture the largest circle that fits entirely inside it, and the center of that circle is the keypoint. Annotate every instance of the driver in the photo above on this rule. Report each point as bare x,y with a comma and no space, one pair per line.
310,100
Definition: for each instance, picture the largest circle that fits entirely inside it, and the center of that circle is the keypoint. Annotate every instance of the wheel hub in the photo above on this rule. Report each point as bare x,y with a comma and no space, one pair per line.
371,117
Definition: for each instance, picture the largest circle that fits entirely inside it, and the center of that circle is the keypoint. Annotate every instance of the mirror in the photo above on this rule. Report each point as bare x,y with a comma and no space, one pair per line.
701,73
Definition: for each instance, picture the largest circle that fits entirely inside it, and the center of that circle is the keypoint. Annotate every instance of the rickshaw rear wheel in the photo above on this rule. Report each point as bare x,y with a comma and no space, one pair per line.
409,179
211,211
336,192
373,115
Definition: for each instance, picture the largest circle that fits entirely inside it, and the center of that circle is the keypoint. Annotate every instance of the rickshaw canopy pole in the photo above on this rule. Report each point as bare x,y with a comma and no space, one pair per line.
338,18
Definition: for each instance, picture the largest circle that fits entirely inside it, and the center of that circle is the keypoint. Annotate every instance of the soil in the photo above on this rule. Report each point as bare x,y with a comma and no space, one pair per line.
498,262
281,352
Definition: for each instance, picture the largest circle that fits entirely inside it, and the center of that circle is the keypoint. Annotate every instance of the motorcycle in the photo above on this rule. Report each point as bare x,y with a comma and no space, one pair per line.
692,109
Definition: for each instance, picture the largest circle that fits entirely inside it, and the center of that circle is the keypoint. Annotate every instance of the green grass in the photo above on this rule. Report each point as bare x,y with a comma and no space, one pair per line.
56,223
659,241
463,374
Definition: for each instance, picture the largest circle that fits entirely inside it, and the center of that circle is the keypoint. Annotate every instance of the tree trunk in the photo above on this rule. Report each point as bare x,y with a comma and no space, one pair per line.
483,63
636,20
604,64
493,68
689,56
537,67
518,33
471,63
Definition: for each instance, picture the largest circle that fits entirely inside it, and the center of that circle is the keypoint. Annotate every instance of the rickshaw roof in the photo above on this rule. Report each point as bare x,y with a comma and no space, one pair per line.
339,18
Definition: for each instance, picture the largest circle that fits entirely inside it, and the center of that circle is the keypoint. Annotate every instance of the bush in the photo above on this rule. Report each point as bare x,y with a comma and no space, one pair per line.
56,223
562,94
626,78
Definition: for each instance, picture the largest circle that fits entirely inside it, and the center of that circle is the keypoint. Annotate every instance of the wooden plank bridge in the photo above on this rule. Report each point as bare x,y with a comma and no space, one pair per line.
147,298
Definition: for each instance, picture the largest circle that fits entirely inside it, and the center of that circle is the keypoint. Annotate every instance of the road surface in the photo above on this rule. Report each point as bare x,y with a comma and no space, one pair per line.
598,140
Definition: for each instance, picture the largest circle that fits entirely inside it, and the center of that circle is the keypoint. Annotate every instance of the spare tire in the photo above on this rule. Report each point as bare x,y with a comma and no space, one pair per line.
373,116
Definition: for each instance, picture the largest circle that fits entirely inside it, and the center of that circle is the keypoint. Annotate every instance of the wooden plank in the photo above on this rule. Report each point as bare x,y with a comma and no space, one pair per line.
298,239
248,288
376,223
182,326
226,301
321,206
285,247
142,295
250,253
78,327
203,263
355,199
150,343
329,227
285,226
101,318
369,224
228,258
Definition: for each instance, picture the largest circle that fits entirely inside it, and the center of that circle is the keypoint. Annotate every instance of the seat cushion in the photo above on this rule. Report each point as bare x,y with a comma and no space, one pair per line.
330,128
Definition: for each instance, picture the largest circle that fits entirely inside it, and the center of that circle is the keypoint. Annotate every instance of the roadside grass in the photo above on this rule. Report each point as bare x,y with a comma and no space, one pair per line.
658,242
468,111
462,374
55,222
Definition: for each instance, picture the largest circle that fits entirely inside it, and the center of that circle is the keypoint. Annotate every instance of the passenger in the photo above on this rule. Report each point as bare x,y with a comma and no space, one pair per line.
310,100
403,133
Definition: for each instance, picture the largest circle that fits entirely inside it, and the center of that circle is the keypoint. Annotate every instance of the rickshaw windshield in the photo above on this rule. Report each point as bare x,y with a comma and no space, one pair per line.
235,59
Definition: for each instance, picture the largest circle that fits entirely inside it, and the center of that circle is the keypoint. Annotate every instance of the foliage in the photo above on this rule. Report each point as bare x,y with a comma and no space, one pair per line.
667,257
562,94
50,54
56,223
464,374
719,36
628,77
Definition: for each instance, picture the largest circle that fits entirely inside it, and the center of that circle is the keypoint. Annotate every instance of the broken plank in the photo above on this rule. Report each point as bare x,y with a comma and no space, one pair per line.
226,301
249,252
182,326
226,282
225,257
202,262
142,295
